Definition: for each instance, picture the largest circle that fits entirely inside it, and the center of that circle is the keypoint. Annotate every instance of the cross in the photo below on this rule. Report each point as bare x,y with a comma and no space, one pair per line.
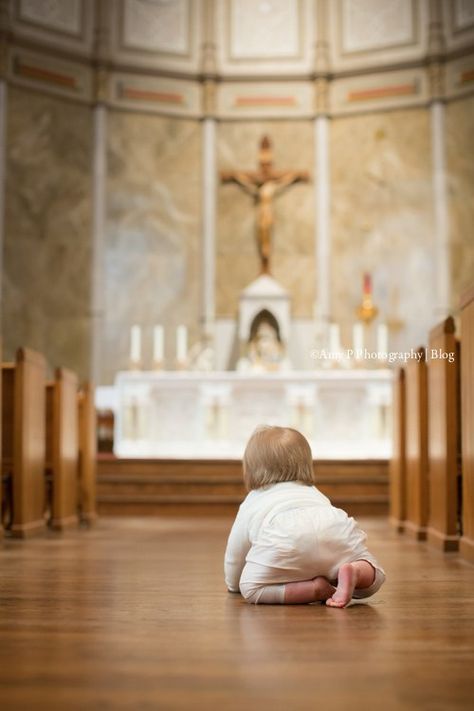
263,185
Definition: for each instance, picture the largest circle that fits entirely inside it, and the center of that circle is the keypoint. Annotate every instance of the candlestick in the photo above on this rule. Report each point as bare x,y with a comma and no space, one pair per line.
358,340
158,344
382,338
366,312
334,338
135,345
181,344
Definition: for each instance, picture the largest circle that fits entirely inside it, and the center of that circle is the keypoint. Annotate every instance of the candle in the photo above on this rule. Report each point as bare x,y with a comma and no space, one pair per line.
135,344
367,284
334,340
358,339
181,344
382,338
158,343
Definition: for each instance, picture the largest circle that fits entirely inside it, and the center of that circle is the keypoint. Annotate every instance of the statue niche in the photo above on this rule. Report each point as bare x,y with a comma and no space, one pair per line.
265,348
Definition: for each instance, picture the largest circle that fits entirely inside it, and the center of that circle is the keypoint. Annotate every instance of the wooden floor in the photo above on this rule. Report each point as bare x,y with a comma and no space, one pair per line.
134,615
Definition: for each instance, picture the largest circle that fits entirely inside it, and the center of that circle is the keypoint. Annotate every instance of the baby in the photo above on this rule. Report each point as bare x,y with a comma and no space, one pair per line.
288,543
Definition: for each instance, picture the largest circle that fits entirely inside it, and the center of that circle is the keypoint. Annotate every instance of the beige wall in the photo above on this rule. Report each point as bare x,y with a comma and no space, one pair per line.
381,218
460,167
381,221
237,262
152,251
46,270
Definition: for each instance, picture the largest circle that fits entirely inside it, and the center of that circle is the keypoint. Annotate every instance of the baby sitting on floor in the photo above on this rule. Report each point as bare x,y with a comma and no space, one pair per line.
288,543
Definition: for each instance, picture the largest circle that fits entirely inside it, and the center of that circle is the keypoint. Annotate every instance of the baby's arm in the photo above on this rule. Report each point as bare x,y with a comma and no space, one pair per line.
238,545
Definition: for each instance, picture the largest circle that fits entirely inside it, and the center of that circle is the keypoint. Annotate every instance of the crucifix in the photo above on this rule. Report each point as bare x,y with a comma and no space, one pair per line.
263,185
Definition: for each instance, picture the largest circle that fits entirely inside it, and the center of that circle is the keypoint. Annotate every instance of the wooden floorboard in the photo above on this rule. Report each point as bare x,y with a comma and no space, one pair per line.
133,615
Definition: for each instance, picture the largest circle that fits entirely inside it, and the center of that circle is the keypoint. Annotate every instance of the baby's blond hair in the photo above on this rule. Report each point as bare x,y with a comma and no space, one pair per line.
275,454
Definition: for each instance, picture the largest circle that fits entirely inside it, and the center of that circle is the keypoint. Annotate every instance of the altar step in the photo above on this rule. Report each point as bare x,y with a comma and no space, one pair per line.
214,487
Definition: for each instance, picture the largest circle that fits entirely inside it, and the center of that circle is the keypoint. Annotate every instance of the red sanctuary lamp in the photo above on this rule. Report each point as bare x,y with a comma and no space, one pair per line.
367,311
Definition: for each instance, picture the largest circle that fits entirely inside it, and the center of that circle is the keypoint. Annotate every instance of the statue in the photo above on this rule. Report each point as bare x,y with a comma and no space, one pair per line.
263,185
265,350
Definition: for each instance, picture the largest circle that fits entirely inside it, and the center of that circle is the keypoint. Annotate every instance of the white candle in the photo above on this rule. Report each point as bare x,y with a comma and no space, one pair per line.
135,344
357,339
181,344
382,338
158,344
334,338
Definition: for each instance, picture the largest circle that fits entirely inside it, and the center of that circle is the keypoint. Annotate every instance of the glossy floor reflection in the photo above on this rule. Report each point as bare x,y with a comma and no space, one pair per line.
134,614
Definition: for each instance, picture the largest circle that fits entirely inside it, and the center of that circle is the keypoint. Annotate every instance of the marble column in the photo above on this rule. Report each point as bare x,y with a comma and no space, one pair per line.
209,220
98,236
322,172
436,50
209,165
441,225
3,145
322,219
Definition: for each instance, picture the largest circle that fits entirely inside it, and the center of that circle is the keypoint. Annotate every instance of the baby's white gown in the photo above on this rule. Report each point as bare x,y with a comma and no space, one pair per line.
288,532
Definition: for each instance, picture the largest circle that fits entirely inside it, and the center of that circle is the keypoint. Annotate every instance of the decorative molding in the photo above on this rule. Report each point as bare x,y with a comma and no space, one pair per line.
160,95
460,77
463,11
160,27
436,75
271,29
156,35
65,24
383,92
367,33
369,25
65,16
265,37
386,91
56,76
265,100
459,22
364,71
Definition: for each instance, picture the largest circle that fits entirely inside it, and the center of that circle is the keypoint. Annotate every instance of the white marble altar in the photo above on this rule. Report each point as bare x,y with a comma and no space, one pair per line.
344,414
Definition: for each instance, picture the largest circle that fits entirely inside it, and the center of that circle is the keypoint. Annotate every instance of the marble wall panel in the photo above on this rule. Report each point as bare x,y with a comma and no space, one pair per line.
460,167
237,262
47,250
152,250
381,219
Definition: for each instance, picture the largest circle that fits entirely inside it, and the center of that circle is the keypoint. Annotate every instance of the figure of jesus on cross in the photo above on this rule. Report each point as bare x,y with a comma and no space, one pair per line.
263,185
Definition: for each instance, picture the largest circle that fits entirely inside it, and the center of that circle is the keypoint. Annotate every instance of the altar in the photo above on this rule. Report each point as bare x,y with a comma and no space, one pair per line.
345,414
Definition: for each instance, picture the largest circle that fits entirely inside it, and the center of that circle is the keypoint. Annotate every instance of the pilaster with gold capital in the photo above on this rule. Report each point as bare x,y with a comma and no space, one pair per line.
321,96
436,80
209,98
101,85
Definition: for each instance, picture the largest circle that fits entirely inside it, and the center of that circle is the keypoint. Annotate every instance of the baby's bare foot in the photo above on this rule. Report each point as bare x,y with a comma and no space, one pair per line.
346,582
323,588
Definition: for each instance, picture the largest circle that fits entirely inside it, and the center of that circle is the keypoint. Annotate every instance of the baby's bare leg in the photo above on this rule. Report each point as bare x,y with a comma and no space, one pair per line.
304,591
359,574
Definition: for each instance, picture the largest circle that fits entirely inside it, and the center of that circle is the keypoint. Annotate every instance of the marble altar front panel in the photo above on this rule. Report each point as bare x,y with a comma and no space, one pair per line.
344,414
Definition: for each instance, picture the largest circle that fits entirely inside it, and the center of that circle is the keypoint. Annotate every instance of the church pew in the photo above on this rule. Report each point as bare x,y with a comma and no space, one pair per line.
467,423
417,496
62,449
443,438
398,460
87,453
23,442
1,472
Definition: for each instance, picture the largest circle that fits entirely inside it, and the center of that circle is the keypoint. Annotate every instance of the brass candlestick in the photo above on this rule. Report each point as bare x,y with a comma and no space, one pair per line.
367,311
